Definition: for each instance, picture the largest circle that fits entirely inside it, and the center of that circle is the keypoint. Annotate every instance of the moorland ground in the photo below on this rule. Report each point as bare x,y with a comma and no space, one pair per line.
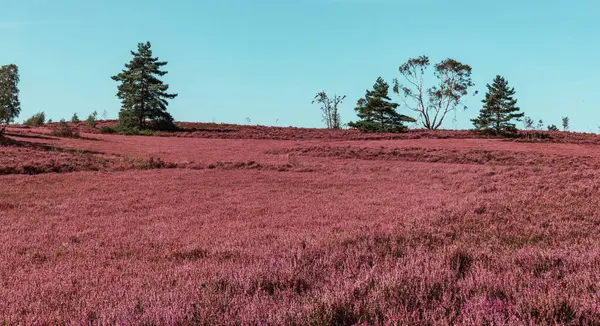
254,225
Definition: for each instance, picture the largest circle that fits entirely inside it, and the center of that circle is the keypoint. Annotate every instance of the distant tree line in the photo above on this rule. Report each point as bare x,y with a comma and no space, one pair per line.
145,98
378,113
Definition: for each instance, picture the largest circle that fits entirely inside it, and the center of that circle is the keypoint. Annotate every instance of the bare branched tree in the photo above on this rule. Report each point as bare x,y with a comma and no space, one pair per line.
528,123
565,123
434,103
329,107
540,124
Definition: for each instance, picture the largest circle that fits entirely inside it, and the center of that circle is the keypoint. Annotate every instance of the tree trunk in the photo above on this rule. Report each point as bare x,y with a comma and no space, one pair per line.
498,121
142,99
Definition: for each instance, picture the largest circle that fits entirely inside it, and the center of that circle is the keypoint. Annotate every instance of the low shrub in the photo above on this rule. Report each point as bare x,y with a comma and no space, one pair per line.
36,120
62,129
92,120
164,125
128,131
108,130
134,131
374,127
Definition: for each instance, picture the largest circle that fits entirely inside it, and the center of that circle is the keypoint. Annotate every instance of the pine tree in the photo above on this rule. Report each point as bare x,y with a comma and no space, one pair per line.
565,123
378,113
10,106
499,108
143,95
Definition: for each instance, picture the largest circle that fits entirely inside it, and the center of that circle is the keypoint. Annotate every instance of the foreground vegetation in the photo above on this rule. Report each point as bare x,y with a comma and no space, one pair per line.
432,228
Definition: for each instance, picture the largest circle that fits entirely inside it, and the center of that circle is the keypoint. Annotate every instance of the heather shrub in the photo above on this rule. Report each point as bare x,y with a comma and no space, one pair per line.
132,132
154,163
461,262
335,313
128,125
195,254
108,130
36,120
62,129
164,125
128,131
374,127
147,132
352,246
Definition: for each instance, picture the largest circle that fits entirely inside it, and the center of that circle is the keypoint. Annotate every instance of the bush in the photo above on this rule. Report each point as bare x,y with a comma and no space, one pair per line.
372,126
62,129
507,132
108,130
127,120
36,120
92,120
552,128
164,124
136,131
147,132
75,118
125,131
128,131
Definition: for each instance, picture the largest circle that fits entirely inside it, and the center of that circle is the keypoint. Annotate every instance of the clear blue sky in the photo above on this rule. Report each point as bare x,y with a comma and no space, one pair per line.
265,59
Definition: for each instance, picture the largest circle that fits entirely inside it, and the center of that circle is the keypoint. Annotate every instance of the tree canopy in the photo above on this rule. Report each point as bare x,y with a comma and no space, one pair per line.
434,103
377,112
143,95
10,106
499,108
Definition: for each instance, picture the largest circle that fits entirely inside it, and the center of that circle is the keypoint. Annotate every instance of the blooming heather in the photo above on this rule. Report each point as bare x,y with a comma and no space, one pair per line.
317,231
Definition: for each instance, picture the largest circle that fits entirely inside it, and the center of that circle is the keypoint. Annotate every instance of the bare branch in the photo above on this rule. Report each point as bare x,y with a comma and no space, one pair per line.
329,108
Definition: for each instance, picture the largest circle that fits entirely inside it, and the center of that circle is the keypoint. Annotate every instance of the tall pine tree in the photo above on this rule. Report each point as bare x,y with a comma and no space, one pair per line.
143,95
499,108
378,113
10,106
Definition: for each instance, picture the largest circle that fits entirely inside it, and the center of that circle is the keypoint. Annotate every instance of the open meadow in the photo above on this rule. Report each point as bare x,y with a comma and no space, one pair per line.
225,224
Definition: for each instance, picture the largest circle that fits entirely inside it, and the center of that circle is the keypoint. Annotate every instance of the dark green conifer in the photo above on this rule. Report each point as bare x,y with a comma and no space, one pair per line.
499,108
143,95
377,113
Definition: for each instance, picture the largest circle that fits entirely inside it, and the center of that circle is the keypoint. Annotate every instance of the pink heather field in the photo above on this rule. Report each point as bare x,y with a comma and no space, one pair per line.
286,226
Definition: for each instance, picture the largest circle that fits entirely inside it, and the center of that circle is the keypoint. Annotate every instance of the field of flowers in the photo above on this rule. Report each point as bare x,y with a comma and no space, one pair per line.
299,226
